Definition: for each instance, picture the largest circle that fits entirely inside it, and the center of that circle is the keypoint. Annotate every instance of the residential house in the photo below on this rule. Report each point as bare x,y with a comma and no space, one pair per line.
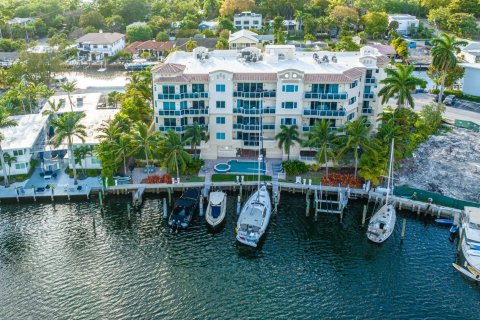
242,97
155,48
471,52
247,20
210,25
8,58
290,25
471,79
246,38
99,45
406,23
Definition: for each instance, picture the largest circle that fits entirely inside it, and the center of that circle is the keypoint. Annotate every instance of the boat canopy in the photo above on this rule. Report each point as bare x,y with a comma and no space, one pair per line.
216,198
473,214
253,216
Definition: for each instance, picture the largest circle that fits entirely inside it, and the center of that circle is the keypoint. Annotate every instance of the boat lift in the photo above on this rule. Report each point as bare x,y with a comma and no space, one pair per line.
328,202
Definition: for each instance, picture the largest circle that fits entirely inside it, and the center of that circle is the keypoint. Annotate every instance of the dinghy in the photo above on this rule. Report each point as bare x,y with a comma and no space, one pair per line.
217,207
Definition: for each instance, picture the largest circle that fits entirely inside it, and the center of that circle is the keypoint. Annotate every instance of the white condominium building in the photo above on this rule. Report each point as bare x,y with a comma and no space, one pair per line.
247,20
240,96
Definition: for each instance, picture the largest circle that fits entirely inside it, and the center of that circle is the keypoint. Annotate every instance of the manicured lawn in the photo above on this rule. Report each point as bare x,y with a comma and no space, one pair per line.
220,177
315,176
16,178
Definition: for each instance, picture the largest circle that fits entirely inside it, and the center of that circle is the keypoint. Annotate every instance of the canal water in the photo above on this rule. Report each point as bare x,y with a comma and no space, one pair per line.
60,261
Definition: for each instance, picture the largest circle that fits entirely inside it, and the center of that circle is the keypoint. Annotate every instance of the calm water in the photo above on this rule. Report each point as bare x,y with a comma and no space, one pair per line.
55,265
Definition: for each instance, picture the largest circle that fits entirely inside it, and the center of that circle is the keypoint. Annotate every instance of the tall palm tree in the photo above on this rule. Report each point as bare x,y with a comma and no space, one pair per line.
355,137
122,148
53,108
144,141
400,82
114,98
9,160
194,136
5,122
69,87
321,138
68,126
444,56
287,137
109,131
174,153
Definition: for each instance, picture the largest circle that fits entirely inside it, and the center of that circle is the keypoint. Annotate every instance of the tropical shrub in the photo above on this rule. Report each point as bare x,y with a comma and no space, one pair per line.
193,166
294,167
344,180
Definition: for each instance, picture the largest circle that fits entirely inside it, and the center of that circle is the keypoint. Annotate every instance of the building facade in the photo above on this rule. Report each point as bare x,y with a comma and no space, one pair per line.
471,79
471,52
240,96
406,23
97,46
247,20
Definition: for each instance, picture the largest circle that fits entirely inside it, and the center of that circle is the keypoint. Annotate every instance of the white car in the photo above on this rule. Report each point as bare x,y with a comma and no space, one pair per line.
450,100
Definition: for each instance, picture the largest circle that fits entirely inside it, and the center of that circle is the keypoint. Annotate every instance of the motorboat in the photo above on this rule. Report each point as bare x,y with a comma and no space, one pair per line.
216,209
184,209
470,237
382,223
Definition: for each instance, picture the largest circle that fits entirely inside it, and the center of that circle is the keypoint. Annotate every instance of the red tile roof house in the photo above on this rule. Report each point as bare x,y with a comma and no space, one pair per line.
155,48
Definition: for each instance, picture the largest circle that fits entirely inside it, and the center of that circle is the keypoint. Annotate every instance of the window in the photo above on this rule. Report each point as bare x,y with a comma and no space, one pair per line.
220,135
289,105
250,87
198,87
353,84
168,105
320,105
238,22
352,100
220,88
288,121
366,104
220,120
200,104
95,161
170,122
255,22
183,105
20,166
351,116
290,88
105,47
17,153
168,89
183,88
324,88
220,104
367,89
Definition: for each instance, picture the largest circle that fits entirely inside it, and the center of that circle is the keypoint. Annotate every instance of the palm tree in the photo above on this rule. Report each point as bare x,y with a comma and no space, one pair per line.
122,148
287,138
5,122
174,152
400,82
114,98
80,153
69,87
444,56
9,160
194,135
109,131
321,138
53,108
355,137
144,141
68,126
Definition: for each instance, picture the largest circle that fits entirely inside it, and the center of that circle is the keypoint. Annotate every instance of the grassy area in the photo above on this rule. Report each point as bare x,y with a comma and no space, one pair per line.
221,177
192,179
315,176
16,178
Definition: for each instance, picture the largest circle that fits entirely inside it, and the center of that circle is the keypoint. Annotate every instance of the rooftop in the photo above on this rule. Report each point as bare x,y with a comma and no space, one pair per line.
247,14
401,16
101,37
25,133
9,55
149,45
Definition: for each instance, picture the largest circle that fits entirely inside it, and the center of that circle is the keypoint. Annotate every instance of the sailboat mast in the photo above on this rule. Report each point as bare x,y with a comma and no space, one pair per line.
390,169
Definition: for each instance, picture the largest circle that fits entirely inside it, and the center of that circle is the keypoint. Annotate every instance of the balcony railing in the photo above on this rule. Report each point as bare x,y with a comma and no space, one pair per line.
251,143
178,96
254,111
308,128
262,94
370,95
182,112
371,80
326,96
194,111
324,113
253,127
178,128
367,110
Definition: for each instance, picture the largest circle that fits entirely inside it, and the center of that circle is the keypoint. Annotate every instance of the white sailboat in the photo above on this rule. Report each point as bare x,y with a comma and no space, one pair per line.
382,223
217,206
255,215
471,238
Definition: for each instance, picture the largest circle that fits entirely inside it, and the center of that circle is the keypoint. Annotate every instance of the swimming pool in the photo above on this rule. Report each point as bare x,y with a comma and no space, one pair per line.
235,166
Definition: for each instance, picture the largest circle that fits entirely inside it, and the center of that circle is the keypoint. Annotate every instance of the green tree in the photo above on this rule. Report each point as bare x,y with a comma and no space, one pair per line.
173,151
114,98
401,47
80,154
190,45
135,107
229,7
69,87
5,122
373,163
438,18
122,148
92,19
162,36
444,56
399,83
346,43
53,108
67,126
355,137
376,23
131,10
194,135
225,24
210,8
144,142
279,30
222,44
287,137
465,6
140,32
462,24
9,160
322,138
344,17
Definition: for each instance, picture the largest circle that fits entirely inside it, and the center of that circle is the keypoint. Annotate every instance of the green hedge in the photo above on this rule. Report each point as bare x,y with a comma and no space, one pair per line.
459,94
222,177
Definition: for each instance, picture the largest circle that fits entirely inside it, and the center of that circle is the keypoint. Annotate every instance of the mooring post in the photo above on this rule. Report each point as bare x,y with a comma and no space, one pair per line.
169,190
341,216
241,190
165,213
404,226
275,201
239,205
364,214
307,209
18,200
34,194
418,210
100,199
128,211
400,205
200,212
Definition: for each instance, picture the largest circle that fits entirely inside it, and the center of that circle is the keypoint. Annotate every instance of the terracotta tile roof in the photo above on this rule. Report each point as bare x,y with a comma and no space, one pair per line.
168,68
354,73
255,77
183,78
345,77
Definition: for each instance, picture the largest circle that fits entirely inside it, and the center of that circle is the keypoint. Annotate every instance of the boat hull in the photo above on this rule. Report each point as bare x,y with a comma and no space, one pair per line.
184,210
216,210
382,224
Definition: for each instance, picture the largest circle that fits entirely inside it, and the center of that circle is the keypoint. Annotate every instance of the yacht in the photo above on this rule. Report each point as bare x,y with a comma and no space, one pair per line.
184,209
471,237
217,206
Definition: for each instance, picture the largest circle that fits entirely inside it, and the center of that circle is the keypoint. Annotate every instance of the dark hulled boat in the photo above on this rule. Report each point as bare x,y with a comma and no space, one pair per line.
184,209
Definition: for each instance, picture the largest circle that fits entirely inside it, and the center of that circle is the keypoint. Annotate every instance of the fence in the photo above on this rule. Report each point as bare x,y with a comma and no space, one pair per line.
423,195
467,125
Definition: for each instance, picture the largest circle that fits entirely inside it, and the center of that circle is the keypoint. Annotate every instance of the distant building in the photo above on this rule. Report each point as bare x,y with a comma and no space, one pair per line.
8,58
290,25
406,22
138,23
15,21
155,48
210,25
97,46
384,49
471,79
246,38
471,52
247,20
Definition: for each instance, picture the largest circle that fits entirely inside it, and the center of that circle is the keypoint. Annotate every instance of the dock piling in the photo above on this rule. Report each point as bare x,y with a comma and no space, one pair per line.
165,213
307,209
239,204
364,215
404,226
128,211
169,190
200,212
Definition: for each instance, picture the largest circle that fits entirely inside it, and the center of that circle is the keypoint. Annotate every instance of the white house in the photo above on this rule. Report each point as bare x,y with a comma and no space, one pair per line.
24,141
406,22
8,58
97,46
471,79
240,96
289,24
246,38
471,52
210,25
247,20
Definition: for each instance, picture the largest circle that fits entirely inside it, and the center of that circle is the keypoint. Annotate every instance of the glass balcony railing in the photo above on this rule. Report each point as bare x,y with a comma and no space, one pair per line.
261,94
194,111
251,143
182,112
178,96
369,95
324,113
253,127
178,128
308,128
254,111
371,80
326,96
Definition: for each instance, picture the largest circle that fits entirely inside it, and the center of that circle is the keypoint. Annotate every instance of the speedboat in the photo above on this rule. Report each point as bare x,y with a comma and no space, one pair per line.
471,237
254,218
217,206
184,209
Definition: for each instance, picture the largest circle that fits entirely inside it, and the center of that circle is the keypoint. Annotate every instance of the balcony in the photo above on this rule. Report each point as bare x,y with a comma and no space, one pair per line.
370,80
251,143
326,96
256,95
182,112
252,127
168,128
324,113
194,111
254,111
308,128
367,110
369,95
178,96
170,112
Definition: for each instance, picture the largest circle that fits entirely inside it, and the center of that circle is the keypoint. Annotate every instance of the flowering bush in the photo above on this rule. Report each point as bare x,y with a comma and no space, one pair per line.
165,178
344,180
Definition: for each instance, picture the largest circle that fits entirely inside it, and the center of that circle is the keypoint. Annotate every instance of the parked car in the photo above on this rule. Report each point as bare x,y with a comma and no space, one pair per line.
450,100
436,97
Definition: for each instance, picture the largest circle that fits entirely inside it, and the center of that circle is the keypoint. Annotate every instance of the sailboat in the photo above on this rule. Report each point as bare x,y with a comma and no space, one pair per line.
382,223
